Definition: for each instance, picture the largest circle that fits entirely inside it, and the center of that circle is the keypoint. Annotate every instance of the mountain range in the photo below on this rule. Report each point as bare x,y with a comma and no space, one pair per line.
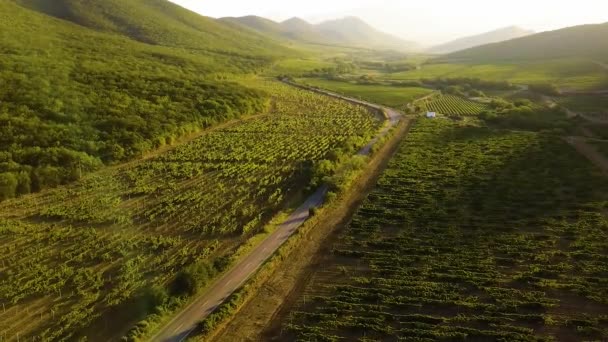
348,32
578,41
503,34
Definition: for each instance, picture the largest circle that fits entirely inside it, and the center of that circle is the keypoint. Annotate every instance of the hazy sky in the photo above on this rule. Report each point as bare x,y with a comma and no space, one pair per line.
424,21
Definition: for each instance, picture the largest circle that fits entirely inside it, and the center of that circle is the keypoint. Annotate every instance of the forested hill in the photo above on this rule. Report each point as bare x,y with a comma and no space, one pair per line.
578,41
157,22
495,36
349,31
87,83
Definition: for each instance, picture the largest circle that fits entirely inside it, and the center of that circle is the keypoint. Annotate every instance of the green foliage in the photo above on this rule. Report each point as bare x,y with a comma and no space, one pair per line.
154,298
339,68
545,89
583,40
594,105
471,233
577,73
191,279
67,106
392,96
469,82
8,185
451,105
138,225
524,115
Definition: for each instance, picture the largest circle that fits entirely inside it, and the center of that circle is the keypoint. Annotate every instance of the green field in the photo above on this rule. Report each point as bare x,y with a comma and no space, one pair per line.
76,255
578,74
397,97
589,104
471,234
297,67
452,105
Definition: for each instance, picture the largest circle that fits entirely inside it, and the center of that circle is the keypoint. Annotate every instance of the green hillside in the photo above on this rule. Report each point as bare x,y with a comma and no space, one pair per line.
156,22
259,24
579,41
496,36
86,83
345,32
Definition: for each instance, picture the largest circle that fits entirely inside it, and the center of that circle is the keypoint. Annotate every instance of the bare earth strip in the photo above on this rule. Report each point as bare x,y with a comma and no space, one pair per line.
587,150
186,321
260,318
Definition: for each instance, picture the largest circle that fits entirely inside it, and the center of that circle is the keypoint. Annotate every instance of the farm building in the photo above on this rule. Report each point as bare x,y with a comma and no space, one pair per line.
431,115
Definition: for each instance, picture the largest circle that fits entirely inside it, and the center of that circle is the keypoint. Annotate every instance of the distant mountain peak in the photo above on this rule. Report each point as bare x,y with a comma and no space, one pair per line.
295,20
578,41
494,36
347,31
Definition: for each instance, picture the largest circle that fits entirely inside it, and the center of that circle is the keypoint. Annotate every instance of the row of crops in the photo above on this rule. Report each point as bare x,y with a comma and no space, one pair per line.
471,234
74,256
452,105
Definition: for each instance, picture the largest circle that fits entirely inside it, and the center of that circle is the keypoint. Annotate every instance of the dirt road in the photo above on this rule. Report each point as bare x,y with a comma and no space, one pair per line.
572,114
186,321
590,152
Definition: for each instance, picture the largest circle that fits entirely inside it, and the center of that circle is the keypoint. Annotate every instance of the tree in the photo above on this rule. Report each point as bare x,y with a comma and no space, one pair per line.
24,186
8,185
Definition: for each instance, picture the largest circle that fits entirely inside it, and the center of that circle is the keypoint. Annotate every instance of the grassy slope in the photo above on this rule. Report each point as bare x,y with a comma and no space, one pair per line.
75,96
575,73
585,40
586,104
396,97
499,35
564,57
159,22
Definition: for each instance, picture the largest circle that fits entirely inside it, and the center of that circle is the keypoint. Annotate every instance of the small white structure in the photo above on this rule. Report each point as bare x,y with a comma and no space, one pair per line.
431,115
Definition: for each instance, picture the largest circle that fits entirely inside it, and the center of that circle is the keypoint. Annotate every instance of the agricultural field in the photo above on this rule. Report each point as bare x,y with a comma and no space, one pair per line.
396,97
471,234
452,105
596,105
96,254
299,66
572,74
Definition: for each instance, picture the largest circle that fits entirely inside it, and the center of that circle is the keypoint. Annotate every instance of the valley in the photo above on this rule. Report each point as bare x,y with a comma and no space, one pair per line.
171,176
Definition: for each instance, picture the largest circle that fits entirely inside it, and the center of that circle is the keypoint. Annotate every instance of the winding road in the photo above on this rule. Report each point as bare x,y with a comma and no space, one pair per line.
187,320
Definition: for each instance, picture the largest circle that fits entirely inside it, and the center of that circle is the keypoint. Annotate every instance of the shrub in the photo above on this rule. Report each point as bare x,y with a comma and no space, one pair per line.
8,185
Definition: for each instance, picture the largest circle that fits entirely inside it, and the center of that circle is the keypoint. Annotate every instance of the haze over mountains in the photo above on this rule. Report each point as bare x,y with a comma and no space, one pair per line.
495,36
348,31
578,41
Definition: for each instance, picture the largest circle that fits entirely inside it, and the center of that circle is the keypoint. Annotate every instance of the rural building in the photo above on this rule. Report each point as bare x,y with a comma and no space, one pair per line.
431,115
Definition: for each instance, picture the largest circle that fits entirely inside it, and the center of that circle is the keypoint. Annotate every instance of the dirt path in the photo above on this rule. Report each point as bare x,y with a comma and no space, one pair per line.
260,318
187,320
572,114
590,152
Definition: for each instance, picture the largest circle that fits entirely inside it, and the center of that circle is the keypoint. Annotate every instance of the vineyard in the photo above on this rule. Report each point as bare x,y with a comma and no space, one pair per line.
452,105
471,234
74,256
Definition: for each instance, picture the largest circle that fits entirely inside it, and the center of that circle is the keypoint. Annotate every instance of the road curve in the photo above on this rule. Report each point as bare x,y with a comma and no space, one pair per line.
186,321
